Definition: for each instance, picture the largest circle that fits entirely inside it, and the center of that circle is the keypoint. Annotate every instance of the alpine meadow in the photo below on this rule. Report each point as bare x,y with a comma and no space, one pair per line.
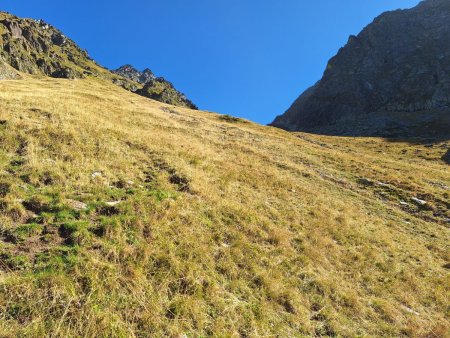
126,211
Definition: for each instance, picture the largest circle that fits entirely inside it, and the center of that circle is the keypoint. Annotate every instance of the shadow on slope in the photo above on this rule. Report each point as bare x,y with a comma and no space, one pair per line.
412,127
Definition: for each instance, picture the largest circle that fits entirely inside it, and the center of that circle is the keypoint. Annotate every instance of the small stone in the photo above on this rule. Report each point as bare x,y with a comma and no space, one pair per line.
112,204
418,201
96,174
403,203
407,309
365,181
77,205
31,215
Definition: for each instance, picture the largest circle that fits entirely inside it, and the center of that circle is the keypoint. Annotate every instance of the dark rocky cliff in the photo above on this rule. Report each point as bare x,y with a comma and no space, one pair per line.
392,79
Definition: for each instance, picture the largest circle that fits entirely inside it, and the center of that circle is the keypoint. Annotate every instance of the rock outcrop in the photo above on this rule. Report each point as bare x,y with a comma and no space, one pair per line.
8,73
162,90
129,72
156,88
393,79
35,47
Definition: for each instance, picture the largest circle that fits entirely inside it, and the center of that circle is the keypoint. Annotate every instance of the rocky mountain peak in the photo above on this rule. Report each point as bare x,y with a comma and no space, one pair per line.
156,88
392,78
129,72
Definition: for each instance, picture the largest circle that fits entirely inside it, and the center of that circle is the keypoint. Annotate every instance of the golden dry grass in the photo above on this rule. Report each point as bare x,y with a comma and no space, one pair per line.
228,228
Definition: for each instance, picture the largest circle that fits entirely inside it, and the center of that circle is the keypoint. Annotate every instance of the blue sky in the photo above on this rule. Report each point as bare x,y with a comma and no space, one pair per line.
248,58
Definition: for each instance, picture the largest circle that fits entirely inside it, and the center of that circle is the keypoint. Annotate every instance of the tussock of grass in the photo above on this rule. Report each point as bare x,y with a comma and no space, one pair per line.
195,226
231,119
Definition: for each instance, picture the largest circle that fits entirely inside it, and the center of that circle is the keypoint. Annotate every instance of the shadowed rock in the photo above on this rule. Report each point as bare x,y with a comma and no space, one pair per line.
391,79
446,157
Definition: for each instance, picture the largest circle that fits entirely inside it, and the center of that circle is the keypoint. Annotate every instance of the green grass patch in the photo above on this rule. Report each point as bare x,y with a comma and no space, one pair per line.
58,259
75,233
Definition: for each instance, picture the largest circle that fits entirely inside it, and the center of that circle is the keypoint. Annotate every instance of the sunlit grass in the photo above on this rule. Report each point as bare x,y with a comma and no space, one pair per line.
192,223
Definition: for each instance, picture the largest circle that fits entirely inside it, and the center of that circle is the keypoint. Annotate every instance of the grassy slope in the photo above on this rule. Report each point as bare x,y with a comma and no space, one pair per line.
228,228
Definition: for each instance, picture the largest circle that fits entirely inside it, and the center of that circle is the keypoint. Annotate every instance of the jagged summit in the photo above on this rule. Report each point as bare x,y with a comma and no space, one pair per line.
129,72
156,88
391,79
36,47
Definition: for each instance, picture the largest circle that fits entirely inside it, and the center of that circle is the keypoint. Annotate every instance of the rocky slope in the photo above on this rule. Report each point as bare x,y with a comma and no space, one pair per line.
392,78
36,47
156,88
129,72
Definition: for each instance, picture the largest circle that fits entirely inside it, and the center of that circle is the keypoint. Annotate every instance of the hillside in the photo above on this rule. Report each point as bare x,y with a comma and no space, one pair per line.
125,217
393,79
36,47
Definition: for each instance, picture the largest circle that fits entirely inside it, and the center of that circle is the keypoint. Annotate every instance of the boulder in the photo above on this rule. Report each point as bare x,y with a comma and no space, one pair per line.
446,157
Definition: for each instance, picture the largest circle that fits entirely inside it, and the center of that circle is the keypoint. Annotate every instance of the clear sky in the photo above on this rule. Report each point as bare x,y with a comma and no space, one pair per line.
248,58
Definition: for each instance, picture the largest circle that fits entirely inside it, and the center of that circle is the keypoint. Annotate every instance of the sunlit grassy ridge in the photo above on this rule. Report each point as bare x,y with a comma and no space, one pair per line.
121,216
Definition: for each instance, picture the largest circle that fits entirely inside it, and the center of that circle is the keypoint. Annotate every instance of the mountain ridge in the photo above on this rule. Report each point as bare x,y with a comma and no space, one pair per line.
36,47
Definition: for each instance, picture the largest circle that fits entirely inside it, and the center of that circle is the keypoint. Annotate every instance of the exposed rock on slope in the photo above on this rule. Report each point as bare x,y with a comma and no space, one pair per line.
35,47
8,73
129,72
161,90
446,157
392,78
155,88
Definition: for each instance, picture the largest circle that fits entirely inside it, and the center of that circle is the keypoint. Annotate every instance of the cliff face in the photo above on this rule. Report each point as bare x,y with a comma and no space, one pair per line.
395,75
